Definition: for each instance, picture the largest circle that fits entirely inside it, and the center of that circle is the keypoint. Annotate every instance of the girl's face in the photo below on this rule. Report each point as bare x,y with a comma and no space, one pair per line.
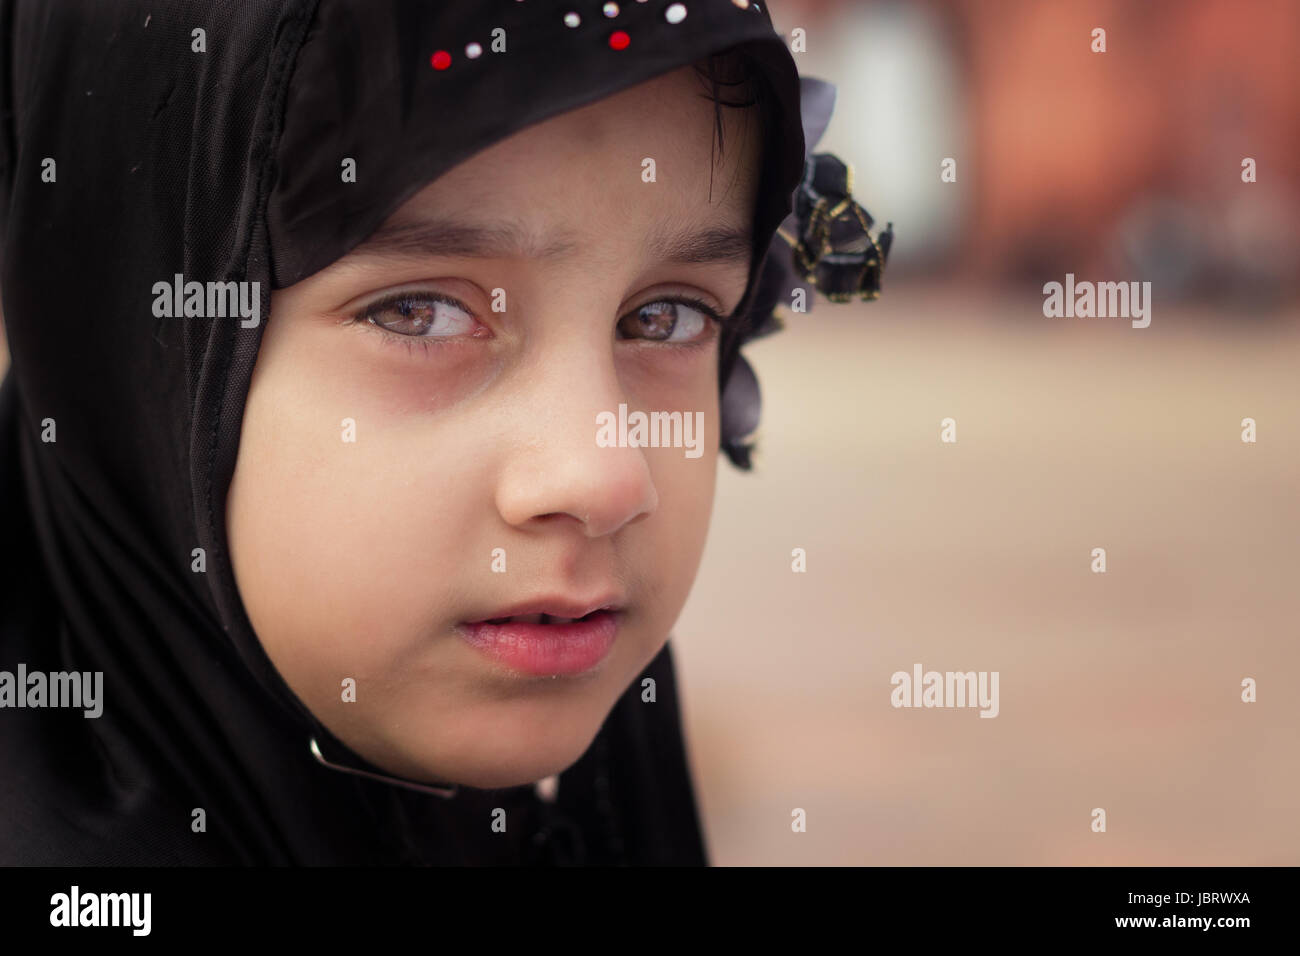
408,468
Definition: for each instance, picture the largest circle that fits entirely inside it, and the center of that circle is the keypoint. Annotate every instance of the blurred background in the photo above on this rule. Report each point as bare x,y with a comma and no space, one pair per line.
1119,690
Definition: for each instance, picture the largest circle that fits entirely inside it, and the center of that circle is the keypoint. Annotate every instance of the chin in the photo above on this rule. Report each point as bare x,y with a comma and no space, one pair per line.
491,777
497,770
489,762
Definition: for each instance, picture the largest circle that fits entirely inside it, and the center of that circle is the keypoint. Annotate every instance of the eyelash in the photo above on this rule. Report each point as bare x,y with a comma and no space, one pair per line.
424,343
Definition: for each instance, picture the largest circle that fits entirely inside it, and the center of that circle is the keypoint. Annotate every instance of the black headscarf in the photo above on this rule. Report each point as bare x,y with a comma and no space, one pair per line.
224,165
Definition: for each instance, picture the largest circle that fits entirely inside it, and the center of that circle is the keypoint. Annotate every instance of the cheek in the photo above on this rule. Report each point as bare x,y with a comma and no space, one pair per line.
343,514
678,530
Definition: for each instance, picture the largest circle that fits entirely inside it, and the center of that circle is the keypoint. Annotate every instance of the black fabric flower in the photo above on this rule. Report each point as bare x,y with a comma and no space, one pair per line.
826,246
834,249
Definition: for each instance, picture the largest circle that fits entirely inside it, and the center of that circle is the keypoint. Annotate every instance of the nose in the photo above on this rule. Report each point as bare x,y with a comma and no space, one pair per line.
556,471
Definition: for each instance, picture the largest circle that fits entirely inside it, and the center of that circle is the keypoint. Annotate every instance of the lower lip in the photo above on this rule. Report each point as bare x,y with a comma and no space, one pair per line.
546,649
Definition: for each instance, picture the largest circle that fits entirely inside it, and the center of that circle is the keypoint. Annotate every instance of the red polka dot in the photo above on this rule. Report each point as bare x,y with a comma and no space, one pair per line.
618,40
441,60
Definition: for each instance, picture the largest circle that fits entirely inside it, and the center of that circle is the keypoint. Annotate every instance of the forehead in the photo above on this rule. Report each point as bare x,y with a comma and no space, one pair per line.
645,163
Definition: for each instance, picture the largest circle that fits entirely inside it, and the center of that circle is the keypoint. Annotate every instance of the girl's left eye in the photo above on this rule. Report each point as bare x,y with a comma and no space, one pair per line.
677,319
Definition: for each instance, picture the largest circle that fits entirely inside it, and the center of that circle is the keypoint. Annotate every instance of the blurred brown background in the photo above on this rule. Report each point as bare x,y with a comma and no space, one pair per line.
1118,690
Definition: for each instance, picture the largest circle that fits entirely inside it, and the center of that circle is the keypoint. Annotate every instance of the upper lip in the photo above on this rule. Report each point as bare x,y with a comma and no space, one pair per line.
558,606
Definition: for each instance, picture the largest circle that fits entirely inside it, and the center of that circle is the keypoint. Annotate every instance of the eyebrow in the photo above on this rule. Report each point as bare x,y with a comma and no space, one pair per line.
452,239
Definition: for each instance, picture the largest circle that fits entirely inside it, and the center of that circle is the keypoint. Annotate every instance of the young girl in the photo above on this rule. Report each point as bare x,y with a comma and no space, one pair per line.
315,309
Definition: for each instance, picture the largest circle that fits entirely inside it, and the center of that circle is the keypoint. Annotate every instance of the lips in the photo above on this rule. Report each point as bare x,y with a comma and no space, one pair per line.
551,610
549,637
535,619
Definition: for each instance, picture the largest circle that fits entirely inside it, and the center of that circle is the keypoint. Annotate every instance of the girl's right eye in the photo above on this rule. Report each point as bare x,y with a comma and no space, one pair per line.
420,315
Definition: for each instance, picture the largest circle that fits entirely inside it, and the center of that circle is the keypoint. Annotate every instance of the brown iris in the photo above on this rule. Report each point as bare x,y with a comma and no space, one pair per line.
415,317
648,322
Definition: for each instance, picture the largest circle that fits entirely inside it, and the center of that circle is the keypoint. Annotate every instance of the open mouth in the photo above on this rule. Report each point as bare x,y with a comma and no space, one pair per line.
547,645
541,619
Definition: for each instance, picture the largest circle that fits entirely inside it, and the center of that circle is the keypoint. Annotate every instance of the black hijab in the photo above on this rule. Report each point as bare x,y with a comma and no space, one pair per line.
224,165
